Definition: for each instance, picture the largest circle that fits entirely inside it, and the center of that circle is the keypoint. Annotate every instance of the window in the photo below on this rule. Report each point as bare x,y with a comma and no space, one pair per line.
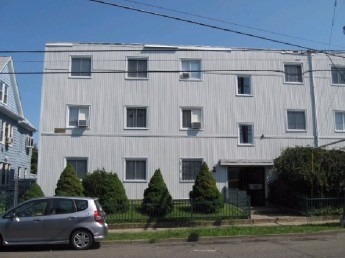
136,169
79,165
30,209
61,206
78,116
246,134
340,121
136,117
191,69
293,73
3,92
296,120
5,174
7,133
338,75
81,66
137,68
244,85
191,118
190,168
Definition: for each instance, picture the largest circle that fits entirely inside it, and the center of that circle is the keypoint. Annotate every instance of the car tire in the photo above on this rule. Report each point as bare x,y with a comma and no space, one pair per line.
81,239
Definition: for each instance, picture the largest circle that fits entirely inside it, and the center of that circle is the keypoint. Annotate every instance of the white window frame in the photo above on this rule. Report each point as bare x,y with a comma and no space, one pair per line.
197,116
85,125
296,111
189,73
81,57
294,81
72,158
7,133
181,169
136,58
240,139
342,113
5,174
250,85
339,73
3,92
135,159
136,127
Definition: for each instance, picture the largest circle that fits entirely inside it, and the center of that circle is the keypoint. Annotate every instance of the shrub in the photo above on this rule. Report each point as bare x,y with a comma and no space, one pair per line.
34,191
108,188
69,183
157,200
205,196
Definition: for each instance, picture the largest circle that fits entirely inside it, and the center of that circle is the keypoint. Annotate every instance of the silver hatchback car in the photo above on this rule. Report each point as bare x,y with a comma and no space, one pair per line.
79,221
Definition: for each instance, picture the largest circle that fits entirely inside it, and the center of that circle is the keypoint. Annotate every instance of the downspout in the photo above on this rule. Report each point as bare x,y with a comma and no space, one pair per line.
313,99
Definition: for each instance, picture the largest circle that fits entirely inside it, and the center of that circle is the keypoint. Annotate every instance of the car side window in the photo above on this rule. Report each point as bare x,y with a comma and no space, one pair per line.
81,205
30,209
61,206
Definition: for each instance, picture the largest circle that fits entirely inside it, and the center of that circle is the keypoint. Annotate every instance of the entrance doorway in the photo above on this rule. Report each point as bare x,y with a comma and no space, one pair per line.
251,180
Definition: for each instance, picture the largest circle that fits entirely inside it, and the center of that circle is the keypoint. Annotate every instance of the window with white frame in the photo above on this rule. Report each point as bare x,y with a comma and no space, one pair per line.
79,165
7,133
340,121
338,75
81,66
244,85
191,118
136,170
189,169
3,92
137,68
293,73
136,117
78,116
246,134
5,173
296,120
190,69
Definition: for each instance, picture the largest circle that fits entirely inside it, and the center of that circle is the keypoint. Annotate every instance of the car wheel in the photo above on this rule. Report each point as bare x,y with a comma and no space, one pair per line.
81,239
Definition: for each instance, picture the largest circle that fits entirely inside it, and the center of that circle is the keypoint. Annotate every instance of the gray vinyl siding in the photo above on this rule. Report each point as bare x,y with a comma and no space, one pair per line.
107,143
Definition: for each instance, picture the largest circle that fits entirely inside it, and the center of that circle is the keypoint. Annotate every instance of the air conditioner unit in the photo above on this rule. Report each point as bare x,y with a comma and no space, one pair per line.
184,75
196,125
82,123
8,140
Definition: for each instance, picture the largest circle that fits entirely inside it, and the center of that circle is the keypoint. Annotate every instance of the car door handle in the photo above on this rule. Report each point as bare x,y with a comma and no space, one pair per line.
37,220
71,218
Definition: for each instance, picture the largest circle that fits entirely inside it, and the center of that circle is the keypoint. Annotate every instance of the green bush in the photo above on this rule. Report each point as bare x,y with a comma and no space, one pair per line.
69,183
108,188
205,196
34,191
157,200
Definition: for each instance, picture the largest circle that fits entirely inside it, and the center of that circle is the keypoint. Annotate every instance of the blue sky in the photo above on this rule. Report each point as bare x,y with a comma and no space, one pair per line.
30,24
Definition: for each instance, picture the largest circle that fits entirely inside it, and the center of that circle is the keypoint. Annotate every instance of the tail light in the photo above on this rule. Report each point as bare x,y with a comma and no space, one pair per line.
98,217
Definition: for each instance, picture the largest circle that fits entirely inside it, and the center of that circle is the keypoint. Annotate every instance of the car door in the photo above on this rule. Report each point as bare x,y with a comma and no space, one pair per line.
61,219
26,223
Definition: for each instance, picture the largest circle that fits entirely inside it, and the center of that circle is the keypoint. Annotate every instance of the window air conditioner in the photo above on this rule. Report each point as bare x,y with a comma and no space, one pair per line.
8,140
184,75
82,123
196,125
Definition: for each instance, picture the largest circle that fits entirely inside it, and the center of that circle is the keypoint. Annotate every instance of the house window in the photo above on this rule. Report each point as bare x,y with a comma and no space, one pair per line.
338,75
293,73
244,85
296,120
190,168
191,69
136,117
79,165
5,173
191,118
78,116
137,68
7,133
246,134
81,66
136,169
3,92
340,121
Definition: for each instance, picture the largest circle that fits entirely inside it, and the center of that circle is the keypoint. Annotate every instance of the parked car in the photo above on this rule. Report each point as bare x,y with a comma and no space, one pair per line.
78,221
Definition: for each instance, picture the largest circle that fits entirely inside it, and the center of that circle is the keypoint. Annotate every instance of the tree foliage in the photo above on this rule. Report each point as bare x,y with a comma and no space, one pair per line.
157,199
108,188
34,191
34,159
205,196
69,183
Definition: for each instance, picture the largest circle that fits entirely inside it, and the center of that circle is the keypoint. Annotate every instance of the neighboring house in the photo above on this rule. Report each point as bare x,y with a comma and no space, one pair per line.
16,139
132,108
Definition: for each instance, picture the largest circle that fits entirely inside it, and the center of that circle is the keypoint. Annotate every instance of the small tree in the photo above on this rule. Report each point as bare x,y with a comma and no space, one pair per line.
34,191
205,196
108,188
69,183
157,199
